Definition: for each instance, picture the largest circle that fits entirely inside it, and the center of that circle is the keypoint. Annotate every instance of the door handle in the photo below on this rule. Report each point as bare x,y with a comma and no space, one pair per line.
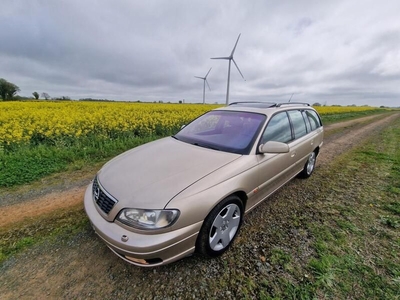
293,154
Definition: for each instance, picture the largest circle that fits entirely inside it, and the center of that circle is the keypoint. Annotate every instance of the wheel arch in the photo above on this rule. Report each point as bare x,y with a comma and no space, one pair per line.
243,197
240,194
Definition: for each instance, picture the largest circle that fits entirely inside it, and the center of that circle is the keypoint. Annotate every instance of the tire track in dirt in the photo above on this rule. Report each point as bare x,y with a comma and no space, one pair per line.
40,206
50,202
336,145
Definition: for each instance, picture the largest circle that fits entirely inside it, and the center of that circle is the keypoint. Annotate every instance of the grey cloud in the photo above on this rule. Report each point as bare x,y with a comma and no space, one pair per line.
152,50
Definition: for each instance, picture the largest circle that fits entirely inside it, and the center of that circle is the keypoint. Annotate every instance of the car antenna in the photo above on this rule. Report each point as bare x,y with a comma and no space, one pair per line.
291,97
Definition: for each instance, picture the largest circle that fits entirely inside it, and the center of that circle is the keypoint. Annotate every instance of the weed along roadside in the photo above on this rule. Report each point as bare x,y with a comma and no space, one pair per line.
333,236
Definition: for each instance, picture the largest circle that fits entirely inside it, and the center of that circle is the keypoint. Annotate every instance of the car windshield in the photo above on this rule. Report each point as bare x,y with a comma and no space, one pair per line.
230,131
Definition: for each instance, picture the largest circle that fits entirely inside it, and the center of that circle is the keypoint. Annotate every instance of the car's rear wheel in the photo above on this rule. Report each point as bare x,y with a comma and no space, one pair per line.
309,166
220,227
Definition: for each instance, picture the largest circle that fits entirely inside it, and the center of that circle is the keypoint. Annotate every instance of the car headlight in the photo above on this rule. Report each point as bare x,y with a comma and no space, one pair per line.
148,218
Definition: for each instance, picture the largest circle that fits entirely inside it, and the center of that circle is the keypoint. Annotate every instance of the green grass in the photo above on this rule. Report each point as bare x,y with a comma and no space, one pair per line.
333,118
358,244
60,223
25,164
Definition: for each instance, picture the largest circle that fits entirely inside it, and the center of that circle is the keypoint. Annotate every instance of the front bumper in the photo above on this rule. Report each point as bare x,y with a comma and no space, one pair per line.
145,250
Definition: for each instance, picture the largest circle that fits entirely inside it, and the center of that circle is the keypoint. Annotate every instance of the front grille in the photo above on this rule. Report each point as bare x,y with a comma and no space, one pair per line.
105,202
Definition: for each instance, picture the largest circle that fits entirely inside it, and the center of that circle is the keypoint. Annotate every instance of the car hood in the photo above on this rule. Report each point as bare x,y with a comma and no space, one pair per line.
149,176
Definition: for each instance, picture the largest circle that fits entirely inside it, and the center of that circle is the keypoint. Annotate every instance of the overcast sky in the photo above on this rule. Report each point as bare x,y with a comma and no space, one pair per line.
333,52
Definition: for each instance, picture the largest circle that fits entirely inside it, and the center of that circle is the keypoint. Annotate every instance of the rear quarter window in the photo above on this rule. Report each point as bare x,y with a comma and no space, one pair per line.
308,125
314,119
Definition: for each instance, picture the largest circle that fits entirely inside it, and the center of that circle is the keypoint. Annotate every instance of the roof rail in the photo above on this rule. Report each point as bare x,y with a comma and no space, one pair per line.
257,104
292,103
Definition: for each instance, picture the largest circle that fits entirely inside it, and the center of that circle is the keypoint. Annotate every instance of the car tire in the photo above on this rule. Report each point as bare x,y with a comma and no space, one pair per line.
309,166
220,227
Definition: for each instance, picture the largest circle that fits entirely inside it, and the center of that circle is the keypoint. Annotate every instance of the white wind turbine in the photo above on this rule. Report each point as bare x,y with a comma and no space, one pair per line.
230,58
204,86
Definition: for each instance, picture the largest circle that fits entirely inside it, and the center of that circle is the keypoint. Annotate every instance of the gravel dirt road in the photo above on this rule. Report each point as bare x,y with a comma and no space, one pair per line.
83,267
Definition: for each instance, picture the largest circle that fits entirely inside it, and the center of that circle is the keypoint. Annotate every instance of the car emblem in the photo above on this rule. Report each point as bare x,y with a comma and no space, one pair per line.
96,194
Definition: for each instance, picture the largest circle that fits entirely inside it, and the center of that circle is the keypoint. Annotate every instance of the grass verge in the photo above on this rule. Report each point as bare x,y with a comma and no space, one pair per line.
32,231
28,163
357,243
333,118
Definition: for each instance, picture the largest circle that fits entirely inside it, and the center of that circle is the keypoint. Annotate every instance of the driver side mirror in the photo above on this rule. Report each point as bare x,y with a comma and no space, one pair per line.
274,147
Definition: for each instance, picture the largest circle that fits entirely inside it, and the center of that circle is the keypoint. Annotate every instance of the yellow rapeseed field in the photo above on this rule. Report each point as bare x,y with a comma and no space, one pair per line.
22,121
330,110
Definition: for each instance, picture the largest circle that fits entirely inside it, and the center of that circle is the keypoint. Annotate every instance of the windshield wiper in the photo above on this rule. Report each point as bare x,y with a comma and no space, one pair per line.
206,146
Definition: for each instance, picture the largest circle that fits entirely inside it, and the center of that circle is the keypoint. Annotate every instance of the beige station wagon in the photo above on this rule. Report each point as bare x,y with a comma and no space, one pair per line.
164,200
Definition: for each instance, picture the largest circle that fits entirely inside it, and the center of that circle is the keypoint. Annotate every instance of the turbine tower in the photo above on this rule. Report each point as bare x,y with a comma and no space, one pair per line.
230,58
204,86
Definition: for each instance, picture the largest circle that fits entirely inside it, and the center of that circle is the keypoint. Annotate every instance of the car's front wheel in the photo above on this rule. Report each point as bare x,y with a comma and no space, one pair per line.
220,227
309,166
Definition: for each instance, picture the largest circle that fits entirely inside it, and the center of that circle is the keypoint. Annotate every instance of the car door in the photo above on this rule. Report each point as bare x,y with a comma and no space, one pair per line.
302,144
273,169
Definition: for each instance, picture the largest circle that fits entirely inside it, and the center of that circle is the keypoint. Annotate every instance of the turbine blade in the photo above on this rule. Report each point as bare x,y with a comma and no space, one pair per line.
220,58
238,69
208,72
234,48
208,85
199,77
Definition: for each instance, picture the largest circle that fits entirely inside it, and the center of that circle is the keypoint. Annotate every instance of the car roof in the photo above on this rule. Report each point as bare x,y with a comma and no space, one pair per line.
266,108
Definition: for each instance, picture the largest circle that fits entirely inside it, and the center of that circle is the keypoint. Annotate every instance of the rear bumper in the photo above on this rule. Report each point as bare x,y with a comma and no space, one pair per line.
145,250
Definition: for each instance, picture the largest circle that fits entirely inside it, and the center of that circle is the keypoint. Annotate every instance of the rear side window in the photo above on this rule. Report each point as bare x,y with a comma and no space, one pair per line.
314,119
308,125
299,126
278,129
